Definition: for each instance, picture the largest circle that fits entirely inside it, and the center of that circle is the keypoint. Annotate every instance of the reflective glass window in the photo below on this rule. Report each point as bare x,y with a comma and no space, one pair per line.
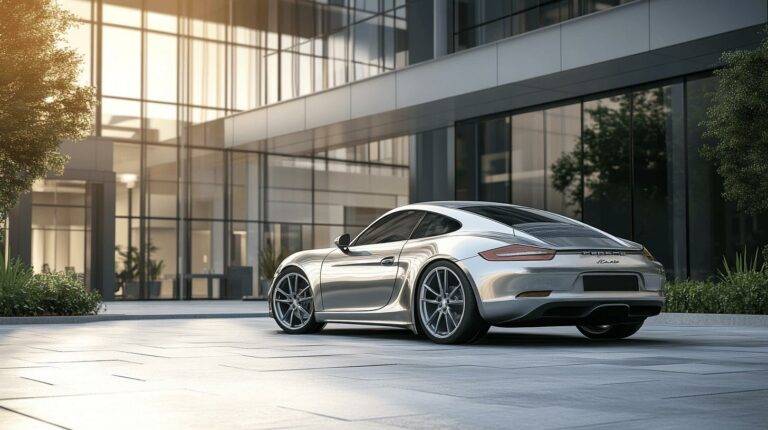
606,161
121,62
434,225
494,148
392,228
528,159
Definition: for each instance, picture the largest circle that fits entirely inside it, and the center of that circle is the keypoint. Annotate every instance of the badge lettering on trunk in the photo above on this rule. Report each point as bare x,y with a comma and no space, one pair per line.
604,261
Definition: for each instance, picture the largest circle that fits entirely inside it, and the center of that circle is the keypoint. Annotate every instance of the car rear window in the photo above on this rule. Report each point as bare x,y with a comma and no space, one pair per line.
549,229
510,216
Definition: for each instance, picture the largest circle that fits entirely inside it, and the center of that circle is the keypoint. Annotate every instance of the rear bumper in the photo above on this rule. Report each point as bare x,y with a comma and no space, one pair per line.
498,286
576,312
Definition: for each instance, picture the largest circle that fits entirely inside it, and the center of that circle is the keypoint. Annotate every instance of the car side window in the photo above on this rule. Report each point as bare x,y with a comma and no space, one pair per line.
392,228
434,225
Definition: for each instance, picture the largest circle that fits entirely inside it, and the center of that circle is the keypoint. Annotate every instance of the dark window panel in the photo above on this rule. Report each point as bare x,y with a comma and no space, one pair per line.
606,161
392,228
494,148
434,225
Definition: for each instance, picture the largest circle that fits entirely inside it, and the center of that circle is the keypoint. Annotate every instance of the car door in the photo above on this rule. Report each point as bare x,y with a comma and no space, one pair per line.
363,278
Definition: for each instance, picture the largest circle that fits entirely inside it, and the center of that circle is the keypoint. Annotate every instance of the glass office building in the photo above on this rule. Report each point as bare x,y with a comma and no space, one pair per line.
231,132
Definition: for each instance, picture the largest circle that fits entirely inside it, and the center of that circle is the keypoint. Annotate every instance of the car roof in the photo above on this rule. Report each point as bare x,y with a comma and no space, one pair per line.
458,204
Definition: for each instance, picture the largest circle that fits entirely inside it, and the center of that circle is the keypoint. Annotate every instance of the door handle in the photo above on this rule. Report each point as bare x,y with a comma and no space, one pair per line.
387,261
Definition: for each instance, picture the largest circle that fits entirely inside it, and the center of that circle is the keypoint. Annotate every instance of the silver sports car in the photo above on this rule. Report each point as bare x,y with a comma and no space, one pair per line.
450,270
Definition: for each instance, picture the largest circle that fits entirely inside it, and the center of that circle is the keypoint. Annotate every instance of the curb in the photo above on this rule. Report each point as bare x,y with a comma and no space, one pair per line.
121,317
703,320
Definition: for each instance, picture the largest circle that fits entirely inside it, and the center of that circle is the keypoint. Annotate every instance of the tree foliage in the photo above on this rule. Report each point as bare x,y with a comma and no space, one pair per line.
737,121
41,103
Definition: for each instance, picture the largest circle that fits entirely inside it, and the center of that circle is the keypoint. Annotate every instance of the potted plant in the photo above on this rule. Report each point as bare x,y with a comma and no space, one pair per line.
269,261
129,278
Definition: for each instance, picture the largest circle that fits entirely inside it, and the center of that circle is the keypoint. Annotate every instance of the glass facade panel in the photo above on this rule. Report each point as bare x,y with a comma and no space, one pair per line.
606,164
161,171
160,259
563,137
121,119
494,148
289,189
477,22
161,65
127,167
121,62
658,172
206,185
715,228
466,161
528,159
60,227
627,163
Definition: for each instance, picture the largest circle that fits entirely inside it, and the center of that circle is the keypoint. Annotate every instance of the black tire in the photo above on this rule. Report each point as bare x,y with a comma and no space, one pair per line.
302,291
609,332
471,325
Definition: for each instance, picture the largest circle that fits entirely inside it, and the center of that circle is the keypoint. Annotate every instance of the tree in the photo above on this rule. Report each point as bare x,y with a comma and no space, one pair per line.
41,103
737,121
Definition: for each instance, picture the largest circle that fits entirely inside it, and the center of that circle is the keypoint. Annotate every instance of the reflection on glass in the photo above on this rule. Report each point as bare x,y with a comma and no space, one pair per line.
563,126
247,185
289,189
653,134
126,163
607,174
161,125
528,159
121,118
160,259
466,161
127,259
161,67
123,12
494,159
208,73
60,227
162,181
207,184
121,62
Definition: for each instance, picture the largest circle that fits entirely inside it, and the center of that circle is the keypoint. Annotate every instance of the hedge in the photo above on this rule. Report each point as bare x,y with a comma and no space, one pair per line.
737,293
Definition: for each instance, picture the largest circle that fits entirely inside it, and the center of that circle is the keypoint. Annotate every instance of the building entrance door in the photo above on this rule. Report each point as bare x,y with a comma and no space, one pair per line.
61,227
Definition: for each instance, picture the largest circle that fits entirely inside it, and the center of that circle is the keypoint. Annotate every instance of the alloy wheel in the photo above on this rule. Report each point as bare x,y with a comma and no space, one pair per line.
293,301
441,302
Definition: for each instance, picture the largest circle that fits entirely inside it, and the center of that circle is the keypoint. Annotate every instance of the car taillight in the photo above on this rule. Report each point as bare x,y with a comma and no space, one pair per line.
518,253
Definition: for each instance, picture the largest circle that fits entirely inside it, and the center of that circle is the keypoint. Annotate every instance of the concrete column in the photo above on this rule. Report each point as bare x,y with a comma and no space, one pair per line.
20,232
440,28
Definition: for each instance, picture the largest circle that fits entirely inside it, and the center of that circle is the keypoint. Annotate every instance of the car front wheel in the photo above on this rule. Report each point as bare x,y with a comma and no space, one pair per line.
292,303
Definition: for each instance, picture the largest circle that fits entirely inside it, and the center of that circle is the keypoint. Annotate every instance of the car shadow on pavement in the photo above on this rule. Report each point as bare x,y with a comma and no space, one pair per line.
495,338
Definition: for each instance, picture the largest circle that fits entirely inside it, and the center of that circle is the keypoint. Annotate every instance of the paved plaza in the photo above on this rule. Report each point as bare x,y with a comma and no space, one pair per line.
244,374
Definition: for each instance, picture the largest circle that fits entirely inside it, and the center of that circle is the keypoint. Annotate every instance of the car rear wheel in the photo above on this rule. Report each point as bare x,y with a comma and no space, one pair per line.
609,331
446,306
292,304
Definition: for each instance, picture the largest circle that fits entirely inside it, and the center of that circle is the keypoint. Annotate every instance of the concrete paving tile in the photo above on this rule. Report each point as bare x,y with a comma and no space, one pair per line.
15,421
246,374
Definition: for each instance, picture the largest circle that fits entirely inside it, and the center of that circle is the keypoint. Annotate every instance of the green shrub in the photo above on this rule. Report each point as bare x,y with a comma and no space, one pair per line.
24,294
17,296
736,293
64,294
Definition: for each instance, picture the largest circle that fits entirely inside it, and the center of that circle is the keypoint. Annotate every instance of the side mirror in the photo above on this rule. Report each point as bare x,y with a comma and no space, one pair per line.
342,242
